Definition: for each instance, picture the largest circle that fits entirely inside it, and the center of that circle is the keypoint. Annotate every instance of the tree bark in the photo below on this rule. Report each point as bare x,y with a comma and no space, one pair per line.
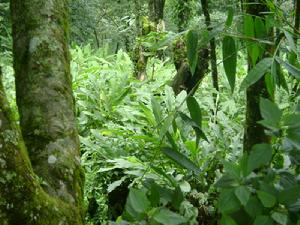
50,149
213,55
156,10
254,132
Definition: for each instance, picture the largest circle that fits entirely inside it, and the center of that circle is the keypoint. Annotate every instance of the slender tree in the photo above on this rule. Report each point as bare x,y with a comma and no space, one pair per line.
41,163
254,132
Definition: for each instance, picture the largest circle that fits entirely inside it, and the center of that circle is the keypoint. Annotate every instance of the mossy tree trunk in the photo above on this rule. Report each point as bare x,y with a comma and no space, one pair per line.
254,132
41,177
184,80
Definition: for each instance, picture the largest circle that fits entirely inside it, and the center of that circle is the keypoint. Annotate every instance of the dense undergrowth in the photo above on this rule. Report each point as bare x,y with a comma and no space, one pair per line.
143,147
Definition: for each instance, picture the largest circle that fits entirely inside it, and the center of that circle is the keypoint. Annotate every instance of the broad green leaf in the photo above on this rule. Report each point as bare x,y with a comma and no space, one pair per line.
254,207
227,181
229,17
137,203
270,111
290,195
243,194
260,155
167,217
229,60
267,199
260,28
248,26
192,49
294,71
181,159
228,202
280,218
257,72
227,220
115,184
263,220
194,110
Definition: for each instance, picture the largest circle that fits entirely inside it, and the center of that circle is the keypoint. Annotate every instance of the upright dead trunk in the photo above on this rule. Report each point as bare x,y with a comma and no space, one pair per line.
213,55
47,120
254,132
156,10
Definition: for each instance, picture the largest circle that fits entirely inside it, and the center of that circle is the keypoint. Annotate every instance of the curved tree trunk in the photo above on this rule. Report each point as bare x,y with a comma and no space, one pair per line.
47,119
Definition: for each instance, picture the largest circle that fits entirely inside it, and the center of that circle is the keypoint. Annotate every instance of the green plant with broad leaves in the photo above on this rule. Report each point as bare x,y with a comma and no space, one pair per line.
263,186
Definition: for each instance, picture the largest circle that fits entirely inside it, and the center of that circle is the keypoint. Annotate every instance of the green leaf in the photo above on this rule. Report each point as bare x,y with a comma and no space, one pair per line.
192,49
229,17
181,159
263,220
157,111
270,111
267,199
194,110
257,72
227,220
229,60
294,71
167,217
137,203
290,195
260,155
198,130
228,202
260,28
227,181
254,207
280,218
248,26
243,194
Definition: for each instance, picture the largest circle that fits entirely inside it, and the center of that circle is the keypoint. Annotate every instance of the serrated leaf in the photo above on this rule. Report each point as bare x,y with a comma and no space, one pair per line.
192,49
167,217
260,155
257,72
243,194
267,199
181,159
229,60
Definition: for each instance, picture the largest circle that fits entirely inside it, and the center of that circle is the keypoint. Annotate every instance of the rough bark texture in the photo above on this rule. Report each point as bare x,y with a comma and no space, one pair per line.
45,102
22,200
156,10
254,132
213,55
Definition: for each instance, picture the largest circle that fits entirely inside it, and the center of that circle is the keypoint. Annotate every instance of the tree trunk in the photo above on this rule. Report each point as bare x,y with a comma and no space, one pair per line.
184,80
156,10
254,132
213,55
50,148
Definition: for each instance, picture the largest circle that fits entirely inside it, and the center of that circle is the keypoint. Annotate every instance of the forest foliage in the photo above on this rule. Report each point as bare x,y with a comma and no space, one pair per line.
154,156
